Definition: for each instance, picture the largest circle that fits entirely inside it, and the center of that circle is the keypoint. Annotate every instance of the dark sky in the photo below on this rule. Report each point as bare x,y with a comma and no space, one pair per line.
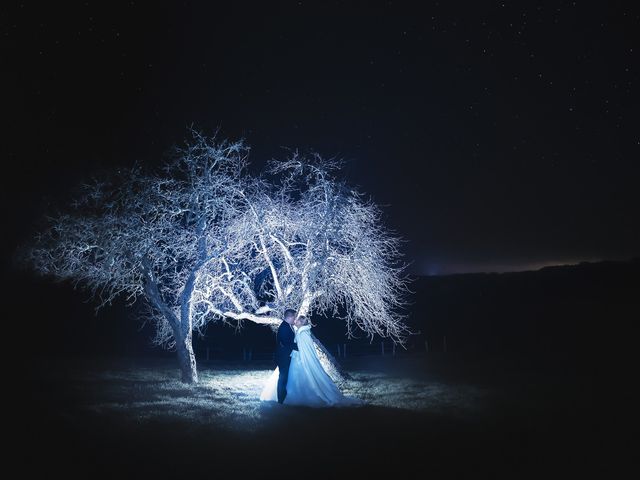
500,135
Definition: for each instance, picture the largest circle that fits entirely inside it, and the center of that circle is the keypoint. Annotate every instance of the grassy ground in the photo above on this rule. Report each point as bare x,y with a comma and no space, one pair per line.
433,413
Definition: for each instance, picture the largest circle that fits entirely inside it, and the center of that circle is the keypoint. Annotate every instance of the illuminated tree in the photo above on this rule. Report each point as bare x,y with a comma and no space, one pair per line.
204,241
310,243
147,236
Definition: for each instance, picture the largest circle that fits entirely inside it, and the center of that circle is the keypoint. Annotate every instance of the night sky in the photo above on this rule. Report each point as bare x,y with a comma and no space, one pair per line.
500,136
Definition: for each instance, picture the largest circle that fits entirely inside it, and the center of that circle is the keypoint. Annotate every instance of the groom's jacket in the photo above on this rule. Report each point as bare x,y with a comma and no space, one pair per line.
286,344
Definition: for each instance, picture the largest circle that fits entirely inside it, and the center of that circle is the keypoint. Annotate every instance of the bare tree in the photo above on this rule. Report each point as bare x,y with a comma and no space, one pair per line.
141,235
203,241
308,242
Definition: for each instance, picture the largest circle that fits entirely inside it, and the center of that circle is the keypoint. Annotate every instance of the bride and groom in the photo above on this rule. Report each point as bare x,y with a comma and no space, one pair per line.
299,378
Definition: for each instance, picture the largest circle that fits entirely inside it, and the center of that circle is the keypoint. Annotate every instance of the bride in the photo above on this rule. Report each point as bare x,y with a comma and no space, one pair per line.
308,383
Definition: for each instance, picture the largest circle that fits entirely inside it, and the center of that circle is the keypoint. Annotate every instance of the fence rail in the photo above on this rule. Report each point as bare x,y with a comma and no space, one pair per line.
339,350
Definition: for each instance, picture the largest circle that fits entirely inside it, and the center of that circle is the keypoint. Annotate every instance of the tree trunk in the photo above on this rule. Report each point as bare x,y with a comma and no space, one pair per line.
182,334
184,331
186,359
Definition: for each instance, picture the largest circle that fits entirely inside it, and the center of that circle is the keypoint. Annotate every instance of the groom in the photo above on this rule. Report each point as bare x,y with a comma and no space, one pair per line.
286,344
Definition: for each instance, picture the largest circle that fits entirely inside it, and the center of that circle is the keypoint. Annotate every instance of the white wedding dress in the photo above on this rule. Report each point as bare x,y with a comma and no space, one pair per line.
308,384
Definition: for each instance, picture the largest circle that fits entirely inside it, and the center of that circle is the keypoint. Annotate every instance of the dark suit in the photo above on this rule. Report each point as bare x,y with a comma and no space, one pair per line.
286,345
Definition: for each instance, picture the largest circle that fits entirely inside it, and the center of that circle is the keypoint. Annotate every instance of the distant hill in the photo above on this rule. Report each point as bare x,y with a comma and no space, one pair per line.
574,310
559,308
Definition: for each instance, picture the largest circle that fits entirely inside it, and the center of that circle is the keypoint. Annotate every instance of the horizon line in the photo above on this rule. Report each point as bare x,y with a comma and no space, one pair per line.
519,268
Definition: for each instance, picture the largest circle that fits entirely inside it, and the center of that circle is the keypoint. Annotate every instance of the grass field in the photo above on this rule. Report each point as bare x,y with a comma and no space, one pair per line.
129,418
